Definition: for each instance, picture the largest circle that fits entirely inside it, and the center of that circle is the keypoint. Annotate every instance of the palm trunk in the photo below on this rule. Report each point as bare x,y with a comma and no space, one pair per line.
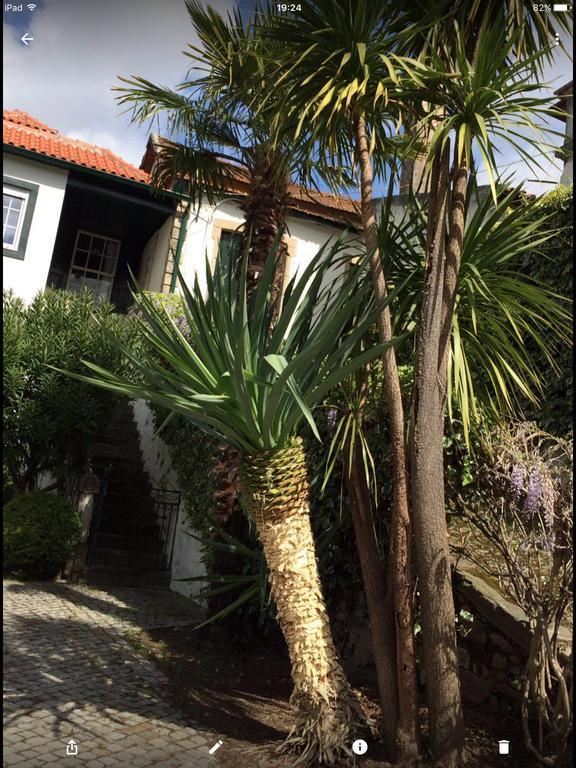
427,477
407,732
265,209
274,487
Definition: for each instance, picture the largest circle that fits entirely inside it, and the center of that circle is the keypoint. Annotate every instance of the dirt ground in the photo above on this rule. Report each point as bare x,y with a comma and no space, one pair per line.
240,691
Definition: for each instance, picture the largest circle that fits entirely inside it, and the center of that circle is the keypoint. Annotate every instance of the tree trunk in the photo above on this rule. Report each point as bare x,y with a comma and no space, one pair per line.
427,478
265,209
407,735
274,486
379,598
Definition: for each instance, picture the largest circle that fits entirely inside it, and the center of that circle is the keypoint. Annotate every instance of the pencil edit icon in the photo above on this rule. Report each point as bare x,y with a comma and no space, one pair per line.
215,747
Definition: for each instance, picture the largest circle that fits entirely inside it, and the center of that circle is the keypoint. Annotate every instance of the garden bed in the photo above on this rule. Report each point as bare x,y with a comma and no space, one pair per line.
240,692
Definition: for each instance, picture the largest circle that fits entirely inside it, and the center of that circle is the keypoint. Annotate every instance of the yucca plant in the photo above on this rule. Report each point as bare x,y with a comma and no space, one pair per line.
251,382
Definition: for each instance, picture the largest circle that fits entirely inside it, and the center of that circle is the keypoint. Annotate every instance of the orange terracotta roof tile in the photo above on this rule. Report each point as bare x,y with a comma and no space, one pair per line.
19,129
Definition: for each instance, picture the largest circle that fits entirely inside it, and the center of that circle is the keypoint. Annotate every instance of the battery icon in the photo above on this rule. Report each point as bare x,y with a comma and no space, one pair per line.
560,7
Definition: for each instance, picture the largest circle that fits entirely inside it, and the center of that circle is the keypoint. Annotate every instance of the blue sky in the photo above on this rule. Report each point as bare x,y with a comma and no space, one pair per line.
65,75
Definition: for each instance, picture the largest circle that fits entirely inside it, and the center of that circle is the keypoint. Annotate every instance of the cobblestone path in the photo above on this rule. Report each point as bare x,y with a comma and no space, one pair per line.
69,673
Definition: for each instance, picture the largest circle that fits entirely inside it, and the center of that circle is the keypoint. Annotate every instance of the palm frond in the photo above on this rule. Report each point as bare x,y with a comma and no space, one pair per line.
235,376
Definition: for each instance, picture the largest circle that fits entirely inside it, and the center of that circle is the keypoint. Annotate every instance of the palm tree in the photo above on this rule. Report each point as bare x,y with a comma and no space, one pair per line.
342,76
345,67
251,383
501,313
218,138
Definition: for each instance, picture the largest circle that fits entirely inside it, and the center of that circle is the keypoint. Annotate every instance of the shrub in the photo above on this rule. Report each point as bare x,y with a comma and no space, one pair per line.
553,265
50,420
40,533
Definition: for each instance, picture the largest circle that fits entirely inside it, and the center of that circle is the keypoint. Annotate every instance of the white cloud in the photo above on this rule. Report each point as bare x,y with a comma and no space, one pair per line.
64,77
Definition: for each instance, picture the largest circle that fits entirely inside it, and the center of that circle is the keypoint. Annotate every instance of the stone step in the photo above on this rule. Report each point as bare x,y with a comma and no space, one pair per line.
126,577
127,559
132,526
113,540
102,451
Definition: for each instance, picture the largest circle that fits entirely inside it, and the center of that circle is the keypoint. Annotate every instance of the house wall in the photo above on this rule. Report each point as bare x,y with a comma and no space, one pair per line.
306,236
154,258
568,172
186,555
28,276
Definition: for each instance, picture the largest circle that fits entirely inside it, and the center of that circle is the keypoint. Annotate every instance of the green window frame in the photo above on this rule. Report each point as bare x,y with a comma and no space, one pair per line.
28,192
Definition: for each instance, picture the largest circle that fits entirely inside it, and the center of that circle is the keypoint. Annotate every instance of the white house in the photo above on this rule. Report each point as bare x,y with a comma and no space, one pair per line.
566,104
76,215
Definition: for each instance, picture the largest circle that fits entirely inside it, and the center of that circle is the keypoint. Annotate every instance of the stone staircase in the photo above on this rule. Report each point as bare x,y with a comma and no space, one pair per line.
128,549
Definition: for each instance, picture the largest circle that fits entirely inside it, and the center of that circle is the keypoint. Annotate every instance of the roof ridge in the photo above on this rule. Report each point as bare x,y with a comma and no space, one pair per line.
24,119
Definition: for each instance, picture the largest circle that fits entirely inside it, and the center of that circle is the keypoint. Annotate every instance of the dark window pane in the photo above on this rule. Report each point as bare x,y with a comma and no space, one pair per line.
83,241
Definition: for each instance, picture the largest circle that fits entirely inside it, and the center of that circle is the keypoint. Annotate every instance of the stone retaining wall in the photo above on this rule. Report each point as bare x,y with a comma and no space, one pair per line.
493,644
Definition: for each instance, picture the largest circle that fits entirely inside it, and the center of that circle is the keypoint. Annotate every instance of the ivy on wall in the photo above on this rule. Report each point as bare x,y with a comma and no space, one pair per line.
554,267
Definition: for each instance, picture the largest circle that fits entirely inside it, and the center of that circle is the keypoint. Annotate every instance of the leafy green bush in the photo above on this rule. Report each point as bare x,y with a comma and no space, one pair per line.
40,533
50,420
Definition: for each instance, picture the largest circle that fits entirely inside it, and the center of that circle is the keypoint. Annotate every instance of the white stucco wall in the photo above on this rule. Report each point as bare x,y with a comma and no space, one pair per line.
186,555
568,172
308,234
28,276
199,242
154,257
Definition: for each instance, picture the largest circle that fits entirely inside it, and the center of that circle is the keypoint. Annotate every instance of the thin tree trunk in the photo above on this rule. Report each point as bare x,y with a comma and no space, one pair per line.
274,486
427,479
400,536
452,268
379,598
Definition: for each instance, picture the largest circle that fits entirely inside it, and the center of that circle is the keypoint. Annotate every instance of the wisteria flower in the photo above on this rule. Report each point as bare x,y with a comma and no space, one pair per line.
533,492
517,478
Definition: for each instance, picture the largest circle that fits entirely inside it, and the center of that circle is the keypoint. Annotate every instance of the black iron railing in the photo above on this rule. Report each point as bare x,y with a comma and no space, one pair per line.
166,506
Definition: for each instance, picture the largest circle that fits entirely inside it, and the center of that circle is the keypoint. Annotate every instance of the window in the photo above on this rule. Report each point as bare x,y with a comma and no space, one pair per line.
229,242
94,263
225,235
19,199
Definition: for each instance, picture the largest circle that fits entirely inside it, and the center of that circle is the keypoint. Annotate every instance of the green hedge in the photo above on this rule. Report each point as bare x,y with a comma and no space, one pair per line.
40,533
49,419
554,267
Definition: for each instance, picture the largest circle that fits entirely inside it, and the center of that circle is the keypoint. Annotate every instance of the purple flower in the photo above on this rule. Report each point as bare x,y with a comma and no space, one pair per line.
548,501
533,492
517,477
182,324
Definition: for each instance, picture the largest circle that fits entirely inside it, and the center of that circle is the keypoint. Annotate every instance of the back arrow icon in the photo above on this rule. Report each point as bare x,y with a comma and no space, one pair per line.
26,39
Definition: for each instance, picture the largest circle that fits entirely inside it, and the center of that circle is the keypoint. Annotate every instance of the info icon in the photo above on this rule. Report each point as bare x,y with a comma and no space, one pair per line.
359,747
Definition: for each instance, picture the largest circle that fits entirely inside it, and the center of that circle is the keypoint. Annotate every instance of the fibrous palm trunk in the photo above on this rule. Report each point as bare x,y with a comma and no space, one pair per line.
274,487
265,208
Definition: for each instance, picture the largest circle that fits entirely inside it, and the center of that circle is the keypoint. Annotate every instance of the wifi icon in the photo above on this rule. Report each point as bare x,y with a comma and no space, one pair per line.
31,7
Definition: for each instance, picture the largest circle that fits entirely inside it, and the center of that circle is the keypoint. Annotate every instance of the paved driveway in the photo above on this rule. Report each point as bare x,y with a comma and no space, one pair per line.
70,674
